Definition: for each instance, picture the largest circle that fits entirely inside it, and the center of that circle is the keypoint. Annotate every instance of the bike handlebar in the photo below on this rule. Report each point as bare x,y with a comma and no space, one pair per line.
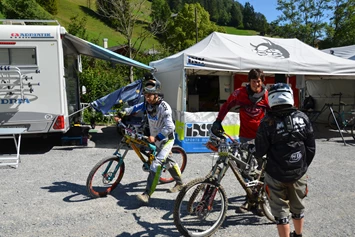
235,143
132,133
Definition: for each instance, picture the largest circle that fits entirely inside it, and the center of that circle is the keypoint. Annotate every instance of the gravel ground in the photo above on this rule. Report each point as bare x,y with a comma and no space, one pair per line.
46,194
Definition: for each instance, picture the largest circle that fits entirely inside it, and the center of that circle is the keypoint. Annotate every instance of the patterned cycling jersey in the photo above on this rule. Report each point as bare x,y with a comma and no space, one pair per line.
160,119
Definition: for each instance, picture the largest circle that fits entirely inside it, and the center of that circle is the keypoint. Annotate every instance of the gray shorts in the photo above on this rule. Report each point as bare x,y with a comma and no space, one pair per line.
286,197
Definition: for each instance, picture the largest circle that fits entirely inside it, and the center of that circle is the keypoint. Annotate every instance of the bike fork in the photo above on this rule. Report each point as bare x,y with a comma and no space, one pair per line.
113,174
209,196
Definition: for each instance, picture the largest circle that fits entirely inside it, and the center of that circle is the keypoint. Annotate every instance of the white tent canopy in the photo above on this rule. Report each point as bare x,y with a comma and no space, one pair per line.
347,52
236,53
224,55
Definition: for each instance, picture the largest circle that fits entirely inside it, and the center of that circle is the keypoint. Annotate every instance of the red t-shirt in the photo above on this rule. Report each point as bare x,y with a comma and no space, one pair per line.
250,114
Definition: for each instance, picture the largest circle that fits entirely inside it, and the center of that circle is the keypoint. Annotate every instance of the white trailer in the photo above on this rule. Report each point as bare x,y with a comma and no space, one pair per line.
39,84
39,65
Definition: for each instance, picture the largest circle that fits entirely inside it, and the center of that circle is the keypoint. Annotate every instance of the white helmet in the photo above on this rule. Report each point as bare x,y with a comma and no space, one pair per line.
280,94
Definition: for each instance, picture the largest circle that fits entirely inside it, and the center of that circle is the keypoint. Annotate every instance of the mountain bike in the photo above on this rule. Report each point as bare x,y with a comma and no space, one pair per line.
344,119
108,172
201,206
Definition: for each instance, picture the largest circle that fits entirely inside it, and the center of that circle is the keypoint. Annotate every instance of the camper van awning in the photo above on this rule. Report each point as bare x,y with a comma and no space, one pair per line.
86,48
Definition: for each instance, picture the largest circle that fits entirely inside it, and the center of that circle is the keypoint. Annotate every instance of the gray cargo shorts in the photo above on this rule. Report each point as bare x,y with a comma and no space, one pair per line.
286,197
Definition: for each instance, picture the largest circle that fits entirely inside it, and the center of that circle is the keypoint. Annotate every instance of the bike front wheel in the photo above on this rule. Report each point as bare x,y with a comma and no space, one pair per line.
105,176
265,207
200,208
178,154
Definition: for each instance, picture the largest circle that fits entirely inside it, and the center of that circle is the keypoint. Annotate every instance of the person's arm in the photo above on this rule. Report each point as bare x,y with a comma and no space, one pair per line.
310,143
262,143
168,127
232,101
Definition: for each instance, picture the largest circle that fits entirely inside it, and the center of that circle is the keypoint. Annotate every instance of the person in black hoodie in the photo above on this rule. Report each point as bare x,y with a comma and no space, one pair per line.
286,137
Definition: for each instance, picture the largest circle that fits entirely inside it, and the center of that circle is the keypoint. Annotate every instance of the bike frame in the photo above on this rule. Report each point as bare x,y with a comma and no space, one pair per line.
133,140
227,159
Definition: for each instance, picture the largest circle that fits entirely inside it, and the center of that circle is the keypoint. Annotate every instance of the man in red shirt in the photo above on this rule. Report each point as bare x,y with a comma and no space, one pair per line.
253,102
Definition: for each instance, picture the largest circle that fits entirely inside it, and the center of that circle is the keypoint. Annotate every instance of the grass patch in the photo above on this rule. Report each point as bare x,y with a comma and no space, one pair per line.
235,31
97,29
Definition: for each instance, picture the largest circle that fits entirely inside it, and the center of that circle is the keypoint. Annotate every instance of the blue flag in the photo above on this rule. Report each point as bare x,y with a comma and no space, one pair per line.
130,94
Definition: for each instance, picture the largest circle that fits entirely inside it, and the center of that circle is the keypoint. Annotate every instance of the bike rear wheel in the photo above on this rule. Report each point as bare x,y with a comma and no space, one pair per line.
104,177
180,157
353,131
331,121
200,208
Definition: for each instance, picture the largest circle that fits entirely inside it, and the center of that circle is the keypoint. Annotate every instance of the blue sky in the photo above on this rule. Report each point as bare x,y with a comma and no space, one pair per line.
266,7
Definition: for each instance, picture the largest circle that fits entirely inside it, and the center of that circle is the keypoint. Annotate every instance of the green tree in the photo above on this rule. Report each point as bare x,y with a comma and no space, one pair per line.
181,32
23,9
175,5
302,19
161,15
124,15
77,27
260,23
236,16
342,30
50,6
248,16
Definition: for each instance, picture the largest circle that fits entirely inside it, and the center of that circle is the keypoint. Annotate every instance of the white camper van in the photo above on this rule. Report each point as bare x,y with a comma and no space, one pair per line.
39,65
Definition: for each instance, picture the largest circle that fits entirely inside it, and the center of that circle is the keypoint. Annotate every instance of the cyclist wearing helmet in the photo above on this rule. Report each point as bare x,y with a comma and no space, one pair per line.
253,103
286,136
161,128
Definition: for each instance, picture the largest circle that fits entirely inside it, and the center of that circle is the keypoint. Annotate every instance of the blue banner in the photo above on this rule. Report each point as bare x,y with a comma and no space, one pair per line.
130,94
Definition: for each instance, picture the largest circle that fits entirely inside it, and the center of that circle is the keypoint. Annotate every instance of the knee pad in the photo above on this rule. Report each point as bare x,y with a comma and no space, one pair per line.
297,216
281,221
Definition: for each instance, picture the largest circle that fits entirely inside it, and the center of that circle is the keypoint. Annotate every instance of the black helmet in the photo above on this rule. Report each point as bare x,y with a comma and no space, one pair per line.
152,87
149,76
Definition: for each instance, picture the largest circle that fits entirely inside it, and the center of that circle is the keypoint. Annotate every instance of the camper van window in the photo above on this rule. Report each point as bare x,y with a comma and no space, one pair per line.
4,57
18,56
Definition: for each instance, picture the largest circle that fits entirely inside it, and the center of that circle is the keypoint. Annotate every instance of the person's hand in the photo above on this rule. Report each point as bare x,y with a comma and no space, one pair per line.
151,139
217,128
117,119
121,114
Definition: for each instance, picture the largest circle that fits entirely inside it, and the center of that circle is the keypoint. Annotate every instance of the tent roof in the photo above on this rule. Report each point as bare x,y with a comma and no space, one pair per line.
87,48
235,53
343,52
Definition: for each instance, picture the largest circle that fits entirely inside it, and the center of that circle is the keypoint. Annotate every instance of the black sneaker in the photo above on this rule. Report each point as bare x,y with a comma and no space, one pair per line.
293,234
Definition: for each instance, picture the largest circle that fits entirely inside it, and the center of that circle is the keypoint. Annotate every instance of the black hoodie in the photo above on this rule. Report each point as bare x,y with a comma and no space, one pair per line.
286,136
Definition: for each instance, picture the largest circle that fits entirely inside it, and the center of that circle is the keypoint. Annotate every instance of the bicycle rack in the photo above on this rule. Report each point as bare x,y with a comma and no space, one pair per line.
13,84
13,81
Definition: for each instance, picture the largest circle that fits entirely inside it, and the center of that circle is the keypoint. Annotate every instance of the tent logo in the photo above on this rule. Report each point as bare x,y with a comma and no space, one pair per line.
197,129
270,49
196,61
